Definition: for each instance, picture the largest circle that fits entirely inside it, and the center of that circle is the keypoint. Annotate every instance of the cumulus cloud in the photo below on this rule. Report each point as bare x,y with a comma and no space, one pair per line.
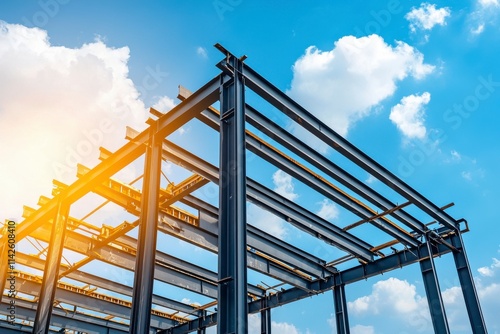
342,85
427,16
409,114
391,294
57,106
328,210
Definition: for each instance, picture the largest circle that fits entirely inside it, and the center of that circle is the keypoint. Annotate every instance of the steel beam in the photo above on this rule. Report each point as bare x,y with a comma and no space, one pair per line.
168,269
340,302
338,237
362,272
51,271
468,287
307,153
313,181
97,281
433,292
91,301
292,109
146,242
231,303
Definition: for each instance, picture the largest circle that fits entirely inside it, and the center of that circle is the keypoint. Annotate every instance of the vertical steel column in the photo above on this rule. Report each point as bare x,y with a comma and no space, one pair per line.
467,284
51,270
232,301
140,317
340,302
433,292
265,321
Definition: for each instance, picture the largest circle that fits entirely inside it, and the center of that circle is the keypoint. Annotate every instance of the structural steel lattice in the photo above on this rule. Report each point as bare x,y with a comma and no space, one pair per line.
50,304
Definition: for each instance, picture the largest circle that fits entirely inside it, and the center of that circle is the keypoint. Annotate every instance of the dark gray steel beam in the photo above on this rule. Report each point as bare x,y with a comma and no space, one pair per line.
175,271
140,317
26,310
362,272
328,191
292,109
231,302
37,263
31,287
51,271
340,302
262,241
433,292
179,156
307,221
468,287
307,153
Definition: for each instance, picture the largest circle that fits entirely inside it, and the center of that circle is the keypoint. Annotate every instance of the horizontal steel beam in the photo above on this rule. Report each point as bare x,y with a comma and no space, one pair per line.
292,109
32,287
168,269
341,239
97,281
348,276
26,310
206,239
295,145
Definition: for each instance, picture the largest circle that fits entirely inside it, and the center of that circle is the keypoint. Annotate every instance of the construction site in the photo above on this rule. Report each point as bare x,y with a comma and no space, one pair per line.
390,228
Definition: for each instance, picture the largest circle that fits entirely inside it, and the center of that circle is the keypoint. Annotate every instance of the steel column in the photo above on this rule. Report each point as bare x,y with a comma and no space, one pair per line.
433,292
146,244
232,302
265,321
51,271
340,302
468,288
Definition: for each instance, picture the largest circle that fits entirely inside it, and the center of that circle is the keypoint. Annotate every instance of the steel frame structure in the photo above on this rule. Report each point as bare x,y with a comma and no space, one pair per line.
224,230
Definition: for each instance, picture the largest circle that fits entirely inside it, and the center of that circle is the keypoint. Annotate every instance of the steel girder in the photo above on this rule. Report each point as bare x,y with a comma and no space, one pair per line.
292,109
168,269
97,281
390,262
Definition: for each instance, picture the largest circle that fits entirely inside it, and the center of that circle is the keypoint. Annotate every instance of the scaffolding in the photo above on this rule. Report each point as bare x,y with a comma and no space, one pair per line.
50,304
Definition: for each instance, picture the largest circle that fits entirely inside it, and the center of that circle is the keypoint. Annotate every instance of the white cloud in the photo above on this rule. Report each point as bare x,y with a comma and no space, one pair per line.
57,106
164,104
485,13
266,221
276,327
391,294
409,114
489,271
328,210
202,52
360,329
283,185
488,3
467,175
190,302
427,16
486,271
342,85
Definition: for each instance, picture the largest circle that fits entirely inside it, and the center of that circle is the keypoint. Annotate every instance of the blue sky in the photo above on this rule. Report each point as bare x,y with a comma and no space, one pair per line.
415,85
